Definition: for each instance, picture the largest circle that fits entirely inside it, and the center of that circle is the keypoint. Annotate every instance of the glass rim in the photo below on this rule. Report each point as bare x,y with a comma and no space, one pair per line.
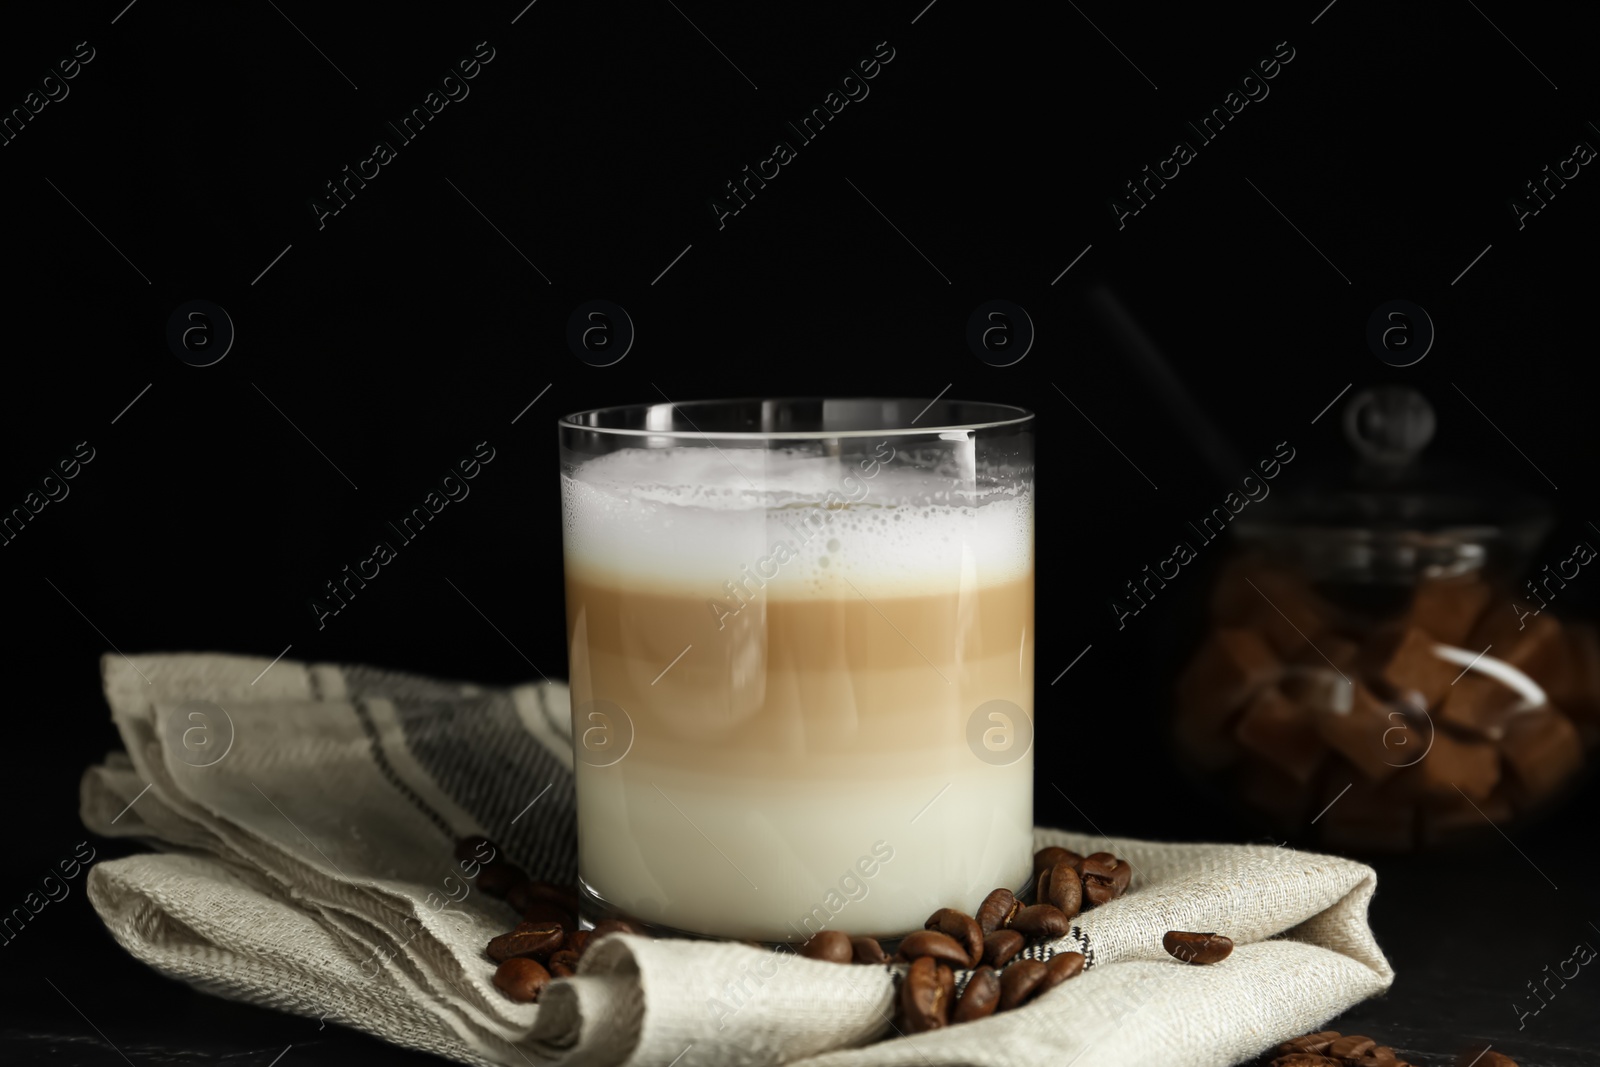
1007,415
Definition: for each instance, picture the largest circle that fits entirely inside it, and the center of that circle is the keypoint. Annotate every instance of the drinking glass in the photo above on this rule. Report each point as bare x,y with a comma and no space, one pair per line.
801,658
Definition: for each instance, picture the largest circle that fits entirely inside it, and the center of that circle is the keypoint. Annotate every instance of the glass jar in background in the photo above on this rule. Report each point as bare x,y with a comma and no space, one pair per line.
1379,670
801,650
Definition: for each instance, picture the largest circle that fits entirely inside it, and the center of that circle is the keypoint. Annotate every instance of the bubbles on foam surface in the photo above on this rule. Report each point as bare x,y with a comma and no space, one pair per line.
806,524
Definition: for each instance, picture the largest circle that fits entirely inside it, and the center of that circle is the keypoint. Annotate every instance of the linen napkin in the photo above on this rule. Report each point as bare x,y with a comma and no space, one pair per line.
303,818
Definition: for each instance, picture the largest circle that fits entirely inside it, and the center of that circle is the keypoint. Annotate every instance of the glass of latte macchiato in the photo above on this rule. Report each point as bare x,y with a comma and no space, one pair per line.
801,653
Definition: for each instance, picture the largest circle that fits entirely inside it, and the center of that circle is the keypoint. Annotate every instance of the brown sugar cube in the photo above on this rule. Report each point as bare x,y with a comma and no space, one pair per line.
1330,653
1230,666
1451,818
1543,751
1579,695
1365,818
1284,800
1534,644
1448,609
1280,604
1314,689
1473,766
1279,731
1412,665
1358,733
1318,677
1480,704
1377,649
1227,670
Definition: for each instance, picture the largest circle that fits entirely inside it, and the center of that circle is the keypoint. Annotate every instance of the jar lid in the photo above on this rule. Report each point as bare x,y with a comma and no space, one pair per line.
1386,515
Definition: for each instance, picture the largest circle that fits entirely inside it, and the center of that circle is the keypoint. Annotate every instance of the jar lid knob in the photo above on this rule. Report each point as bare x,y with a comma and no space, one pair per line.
1389,424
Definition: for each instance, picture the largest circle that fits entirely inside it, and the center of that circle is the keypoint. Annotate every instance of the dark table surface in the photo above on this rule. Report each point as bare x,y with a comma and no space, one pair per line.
1466,933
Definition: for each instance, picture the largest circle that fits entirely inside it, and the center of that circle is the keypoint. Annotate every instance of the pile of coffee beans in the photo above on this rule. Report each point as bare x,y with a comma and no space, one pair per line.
547,943
989,943
1330,1048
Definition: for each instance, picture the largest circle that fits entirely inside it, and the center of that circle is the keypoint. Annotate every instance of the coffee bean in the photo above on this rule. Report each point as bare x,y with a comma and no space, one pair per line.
1329,1048
1121,877
1019,982
1046,858
1041,920
947,987
522,979
980,998
525,893
563,964
962,928
1101,864
996,910
497,878
1350,1046
924,1005
577,941
1059,968
475,848
535,940
1000,946
1061,887
615,926
1097,891
940,946
1317,1042
830,946
1099,879
1199,948
867,950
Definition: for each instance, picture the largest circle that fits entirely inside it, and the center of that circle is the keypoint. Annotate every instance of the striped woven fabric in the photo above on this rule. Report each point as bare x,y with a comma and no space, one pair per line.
301,820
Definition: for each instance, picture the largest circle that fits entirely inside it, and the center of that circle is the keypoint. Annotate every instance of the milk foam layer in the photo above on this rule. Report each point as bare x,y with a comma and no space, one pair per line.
693,517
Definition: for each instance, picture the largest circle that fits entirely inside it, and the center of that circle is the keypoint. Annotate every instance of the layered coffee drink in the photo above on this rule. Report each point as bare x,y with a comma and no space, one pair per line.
802,683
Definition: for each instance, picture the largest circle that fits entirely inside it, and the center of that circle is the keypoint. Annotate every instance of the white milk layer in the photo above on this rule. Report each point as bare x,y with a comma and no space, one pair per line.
781,860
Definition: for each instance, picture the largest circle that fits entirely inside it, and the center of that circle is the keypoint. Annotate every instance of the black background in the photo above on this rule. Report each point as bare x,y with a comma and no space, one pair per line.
414,324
